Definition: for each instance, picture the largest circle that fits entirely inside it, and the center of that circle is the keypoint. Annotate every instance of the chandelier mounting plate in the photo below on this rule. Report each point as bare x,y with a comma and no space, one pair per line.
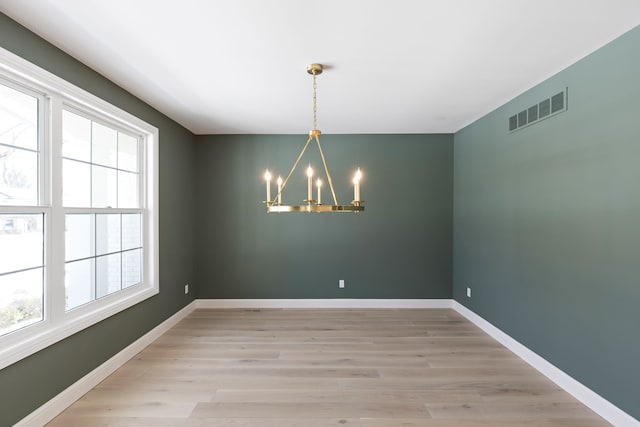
315,69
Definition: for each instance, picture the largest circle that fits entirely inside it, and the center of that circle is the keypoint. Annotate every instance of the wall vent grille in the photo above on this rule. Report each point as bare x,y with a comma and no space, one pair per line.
542,110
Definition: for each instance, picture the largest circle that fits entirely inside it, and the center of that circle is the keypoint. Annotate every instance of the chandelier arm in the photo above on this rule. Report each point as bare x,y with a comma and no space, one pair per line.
326,170
295,165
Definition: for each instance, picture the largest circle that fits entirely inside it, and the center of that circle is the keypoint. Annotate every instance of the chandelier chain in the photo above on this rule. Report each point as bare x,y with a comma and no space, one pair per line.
315,108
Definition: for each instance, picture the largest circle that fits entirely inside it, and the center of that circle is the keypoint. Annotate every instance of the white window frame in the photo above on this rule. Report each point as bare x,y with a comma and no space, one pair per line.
58,323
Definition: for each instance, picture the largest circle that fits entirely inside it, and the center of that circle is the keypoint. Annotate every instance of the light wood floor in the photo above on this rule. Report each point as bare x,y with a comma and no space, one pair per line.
368,368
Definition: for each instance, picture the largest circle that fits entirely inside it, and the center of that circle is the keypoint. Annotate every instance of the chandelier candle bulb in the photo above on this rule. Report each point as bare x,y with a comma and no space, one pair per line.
279,190
356,186
310,184
356,190
319,185
267,177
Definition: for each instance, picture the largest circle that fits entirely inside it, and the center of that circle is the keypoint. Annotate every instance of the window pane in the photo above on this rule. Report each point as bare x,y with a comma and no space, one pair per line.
18,176
76,184
131,237
127,152
131,268
79,282
76,136
79,236
107,233
21,242
104,187
127,190
20,299
104,145
18,118
107,274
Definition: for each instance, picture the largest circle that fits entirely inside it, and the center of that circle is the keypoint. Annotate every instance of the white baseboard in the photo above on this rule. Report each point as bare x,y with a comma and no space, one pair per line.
62,401
588,397
324,303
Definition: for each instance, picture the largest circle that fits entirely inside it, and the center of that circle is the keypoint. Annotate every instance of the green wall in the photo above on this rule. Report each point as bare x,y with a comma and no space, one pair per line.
547,222
31,382
399,247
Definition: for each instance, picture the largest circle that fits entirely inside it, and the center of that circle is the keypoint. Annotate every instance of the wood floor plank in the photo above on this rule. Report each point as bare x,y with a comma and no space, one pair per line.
140,408
229,382
254,372
506,422
310,410
344,395
313,367
522,410
204,422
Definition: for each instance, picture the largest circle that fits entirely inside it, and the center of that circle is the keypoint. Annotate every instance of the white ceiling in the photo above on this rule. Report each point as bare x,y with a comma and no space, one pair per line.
401,66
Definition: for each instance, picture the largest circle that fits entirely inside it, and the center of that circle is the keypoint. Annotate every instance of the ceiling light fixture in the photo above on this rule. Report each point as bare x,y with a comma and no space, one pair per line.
311,205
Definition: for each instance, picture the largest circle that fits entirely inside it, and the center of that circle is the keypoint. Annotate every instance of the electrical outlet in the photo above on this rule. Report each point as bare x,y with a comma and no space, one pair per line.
468,292
341,283
186,288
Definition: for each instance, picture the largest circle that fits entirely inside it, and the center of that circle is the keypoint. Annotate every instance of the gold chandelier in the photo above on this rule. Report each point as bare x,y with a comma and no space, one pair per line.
311,204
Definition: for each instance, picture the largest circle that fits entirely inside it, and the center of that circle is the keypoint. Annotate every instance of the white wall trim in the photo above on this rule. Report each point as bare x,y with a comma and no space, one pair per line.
324,303
588,397
62,401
